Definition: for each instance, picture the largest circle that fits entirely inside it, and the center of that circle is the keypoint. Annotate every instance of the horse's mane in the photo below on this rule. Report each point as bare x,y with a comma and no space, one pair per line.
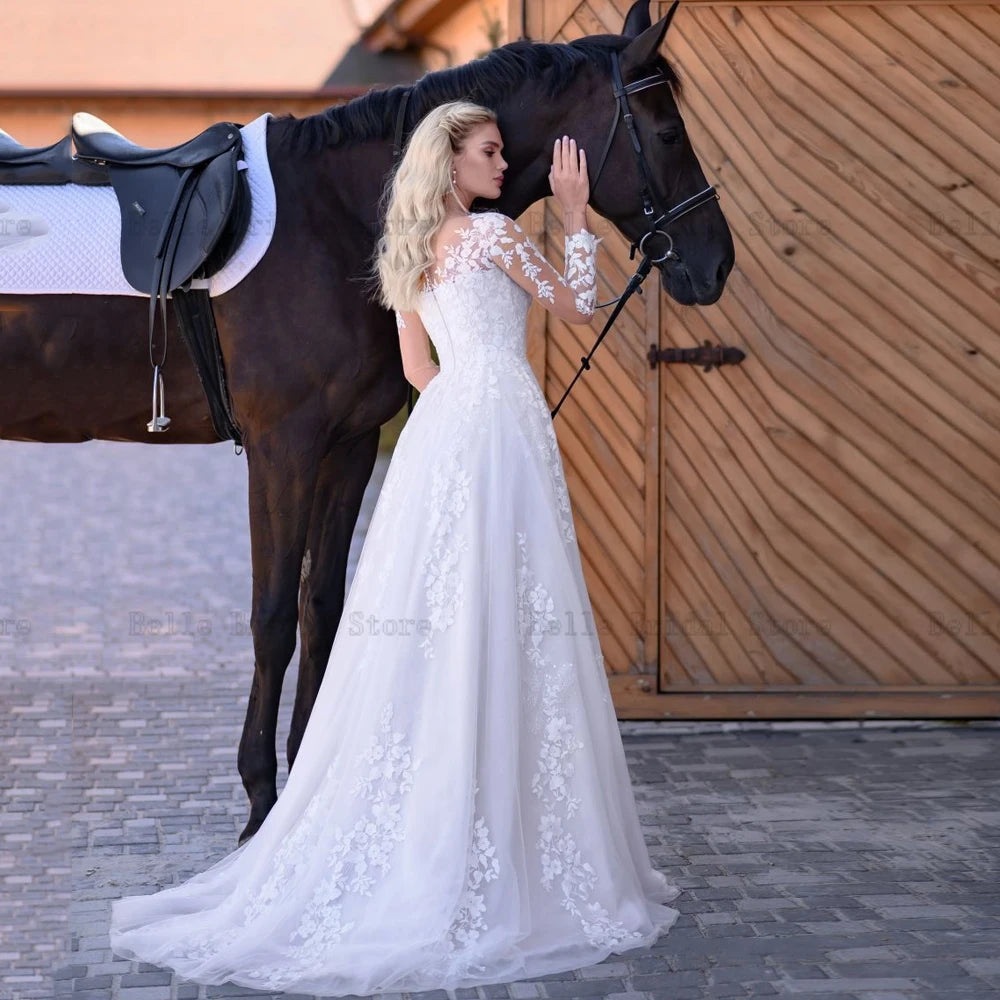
486,81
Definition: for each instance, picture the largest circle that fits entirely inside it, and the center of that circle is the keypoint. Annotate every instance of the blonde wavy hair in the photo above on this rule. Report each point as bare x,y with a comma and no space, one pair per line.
413,204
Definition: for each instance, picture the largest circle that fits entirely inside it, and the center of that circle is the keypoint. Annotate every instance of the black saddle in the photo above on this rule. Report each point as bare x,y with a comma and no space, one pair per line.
184,212
177,204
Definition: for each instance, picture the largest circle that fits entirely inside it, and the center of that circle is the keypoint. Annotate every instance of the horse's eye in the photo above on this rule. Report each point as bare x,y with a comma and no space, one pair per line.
670,135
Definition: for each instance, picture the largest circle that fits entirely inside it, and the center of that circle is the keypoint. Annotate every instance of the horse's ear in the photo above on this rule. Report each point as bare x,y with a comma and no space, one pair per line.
637,19
647,39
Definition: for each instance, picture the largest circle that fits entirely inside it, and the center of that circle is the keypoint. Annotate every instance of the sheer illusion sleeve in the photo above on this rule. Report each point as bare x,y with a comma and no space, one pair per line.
415,348
572,296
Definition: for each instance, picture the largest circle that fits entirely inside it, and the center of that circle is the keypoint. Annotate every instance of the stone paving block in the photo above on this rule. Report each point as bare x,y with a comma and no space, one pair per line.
883,995
70,972
524,991
982,966
664,980
742,973
146,979
824,987
583,988
728,931
94,983
608,969
494,991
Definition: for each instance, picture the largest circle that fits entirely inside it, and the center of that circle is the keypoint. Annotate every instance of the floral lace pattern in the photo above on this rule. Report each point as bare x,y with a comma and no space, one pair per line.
443,586
482,865
353,860
491,238
507,243
356,857
562,865
461,256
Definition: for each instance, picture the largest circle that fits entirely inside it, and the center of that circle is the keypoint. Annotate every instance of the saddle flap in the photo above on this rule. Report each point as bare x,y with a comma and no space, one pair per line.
172,218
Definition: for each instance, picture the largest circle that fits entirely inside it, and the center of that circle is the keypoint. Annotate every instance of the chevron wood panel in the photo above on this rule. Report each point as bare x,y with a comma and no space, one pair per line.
830,507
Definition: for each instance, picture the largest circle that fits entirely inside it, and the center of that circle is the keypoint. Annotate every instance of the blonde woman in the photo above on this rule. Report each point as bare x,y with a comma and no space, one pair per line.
460,812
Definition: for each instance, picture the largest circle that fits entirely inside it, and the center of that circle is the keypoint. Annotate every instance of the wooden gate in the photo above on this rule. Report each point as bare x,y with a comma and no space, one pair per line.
813,533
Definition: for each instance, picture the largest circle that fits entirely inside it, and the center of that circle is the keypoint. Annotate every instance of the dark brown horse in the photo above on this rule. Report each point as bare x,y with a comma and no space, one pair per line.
313,365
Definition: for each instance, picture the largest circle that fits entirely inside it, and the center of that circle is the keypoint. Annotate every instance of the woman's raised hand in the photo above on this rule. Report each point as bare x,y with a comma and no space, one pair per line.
568,175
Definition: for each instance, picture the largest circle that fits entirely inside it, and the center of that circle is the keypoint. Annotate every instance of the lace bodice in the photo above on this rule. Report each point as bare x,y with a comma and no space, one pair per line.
474,309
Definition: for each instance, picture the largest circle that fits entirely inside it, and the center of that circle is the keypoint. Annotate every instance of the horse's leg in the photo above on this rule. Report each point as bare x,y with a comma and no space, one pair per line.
340,489
282,478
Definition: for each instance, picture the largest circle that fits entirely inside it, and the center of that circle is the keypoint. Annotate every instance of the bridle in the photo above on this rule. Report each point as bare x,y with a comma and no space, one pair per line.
649,202
650,205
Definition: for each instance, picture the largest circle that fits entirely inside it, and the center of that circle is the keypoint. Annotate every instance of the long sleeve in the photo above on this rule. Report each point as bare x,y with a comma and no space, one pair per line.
572,296
415,348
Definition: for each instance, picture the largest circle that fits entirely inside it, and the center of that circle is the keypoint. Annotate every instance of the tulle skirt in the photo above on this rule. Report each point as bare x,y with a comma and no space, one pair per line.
460,811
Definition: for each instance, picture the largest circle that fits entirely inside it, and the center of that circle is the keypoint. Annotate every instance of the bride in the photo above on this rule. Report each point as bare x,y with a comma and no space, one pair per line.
460,811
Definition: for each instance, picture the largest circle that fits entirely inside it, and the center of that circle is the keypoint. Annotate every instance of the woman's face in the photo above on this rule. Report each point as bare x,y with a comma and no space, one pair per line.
479,167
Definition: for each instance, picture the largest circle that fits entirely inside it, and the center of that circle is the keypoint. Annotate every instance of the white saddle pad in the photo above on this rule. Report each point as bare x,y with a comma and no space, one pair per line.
59,238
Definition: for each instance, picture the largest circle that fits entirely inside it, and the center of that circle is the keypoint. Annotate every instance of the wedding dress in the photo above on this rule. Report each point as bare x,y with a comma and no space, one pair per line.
460,811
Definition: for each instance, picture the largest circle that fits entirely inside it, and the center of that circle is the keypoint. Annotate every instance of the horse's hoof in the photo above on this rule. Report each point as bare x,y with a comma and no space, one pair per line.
254,823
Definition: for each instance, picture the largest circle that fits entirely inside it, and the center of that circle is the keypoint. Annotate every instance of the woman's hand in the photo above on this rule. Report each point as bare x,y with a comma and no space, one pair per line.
568,175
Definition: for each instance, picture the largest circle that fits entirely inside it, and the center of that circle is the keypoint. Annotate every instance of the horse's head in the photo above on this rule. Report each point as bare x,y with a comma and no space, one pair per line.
649,173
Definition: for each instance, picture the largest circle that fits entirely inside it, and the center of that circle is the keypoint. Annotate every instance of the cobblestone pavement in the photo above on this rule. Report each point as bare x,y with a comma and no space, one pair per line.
835,860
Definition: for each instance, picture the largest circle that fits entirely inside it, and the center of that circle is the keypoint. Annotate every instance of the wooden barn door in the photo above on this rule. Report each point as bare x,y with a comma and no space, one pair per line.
827,513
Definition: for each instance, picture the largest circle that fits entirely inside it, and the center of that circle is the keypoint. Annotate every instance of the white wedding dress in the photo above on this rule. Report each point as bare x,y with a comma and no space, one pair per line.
460,811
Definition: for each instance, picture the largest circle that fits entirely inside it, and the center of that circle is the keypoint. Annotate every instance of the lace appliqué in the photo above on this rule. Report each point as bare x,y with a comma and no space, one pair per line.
462,257
488,237
352,859
443,586
580,270
451,483
483,867
549,445
453,957
563,869
456,956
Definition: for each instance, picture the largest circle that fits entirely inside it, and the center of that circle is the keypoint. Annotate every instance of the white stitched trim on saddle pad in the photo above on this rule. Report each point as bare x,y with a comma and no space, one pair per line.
59,238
